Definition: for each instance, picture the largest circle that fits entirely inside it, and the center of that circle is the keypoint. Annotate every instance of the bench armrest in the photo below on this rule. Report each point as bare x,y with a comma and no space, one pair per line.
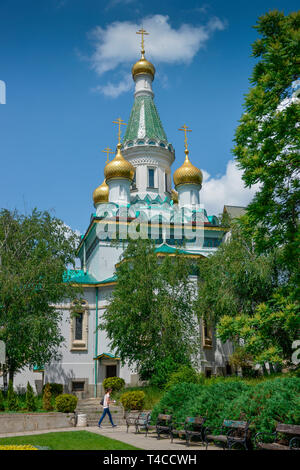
294,443
260,435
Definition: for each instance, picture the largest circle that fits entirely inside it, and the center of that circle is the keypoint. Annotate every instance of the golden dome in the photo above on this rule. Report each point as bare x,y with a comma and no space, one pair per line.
100,195
143,66
119,167
174,196
187,173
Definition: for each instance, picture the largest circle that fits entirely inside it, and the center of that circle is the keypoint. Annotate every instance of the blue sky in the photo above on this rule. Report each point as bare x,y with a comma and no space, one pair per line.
66,65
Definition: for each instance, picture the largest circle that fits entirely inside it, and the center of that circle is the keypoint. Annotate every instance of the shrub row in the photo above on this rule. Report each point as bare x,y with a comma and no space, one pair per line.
263,404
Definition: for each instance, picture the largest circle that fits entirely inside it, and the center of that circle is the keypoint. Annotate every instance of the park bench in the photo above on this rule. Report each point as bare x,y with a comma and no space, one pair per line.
143,422
131,419
163,425
232,433
277,442
193,427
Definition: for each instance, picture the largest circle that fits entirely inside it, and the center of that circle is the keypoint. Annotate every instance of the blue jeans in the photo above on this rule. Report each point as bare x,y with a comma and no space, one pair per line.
106,412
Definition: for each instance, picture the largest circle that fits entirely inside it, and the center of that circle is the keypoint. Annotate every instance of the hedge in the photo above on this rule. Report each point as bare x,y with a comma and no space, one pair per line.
263,404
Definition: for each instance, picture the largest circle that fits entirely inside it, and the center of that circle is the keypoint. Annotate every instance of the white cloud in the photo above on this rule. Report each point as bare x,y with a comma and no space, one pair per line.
226,189
113,90
118,44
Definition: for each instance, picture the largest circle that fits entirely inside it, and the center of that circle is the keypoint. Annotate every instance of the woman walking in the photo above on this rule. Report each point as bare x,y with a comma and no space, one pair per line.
106,411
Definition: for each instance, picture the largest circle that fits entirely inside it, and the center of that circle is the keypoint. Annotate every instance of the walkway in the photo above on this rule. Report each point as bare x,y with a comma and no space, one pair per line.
119,433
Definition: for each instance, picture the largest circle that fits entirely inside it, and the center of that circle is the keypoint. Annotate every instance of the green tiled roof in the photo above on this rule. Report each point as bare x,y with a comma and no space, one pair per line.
152,122
170,249
78,276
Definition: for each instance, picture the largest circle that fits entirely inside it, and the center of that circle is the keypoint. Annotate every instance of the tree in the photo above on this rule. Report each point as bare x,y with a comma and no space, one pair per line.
268,335
267,139
30,398
149,319
12,399
34,252
47,398
235,279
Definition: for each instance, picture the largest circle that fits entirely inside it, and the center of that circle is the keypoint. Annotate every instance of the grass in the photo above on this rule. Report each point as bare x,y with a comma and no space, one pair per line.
74,440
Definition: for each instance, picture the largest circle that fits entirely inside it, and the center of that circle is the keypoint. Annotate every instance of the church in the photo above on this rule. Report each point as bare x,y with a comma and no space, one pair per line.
136,198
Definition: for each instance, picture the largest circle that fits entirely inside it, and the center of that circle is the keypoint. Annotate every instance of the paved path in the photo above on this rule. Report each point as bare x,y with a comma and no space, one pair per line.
119,433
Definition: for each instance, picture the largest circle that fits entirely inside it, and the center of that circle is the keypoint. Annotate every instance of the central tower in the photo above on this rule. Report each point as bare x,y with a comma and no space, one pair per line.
145,143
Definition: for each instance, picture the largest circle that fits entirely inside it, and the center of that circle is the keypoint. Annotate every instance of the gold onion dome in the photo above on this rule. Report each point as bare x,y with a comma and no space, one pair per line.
174,196
187,173
100,195
119,167
143,66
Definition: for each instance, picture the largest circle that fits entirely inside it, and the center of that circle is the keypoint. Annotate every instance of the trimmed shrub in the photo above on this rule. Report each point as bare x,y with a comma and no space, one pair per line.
12,399
133,400
55,389
47,398
30,398
185,374
66,403
162,370
263,404
115,383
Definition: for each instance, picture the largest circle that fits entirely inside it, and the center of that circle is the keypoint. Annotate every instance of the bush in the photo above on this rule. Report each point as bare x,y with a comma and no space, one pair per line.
55,389
12,399
133,400
262,403
66,403
115,383
162,371
47,396
185,374
30,399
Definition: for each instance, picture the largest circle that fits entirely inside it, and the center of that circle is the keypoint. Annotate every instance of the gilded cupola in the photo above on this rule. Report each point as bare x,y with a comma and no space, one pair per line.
101,193
143,66
119,168
187,173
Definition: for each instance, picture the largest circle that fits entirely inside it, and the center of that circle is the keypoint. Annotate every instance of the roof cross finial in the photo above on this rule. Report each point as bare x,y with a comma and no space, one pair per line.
120,123
185,129
142,32
107,151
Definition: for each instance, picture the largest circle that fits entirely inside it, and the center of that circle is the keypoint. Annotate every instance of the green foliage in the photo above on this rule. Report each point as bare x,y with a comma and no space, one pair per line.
12,398
30,398
115,383
2,405
55,388
184,374
47,398
268,334
267,139
235,278
34,251
264,403
66,403
133,400
162,370
149,317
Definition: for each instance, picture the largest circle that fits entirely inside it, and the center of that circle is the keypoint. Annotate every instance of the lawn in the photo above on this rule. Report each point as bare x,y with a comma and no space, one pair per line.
74,440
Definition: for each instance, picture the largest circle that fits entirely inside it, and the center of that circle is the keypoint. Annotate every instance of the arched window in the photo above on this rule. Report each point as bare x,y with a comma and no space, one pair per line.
79,325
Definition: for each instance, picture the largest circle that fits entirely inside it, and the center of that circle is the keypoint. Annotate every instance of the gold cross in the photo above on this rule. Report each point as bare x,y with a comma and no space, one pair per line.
185,129
107,151
120,123
142,32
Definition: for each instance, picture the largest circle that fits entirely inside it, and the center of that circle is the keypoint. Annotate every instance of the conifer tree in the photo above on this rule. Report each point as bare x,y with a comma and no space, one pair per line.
12,399
47,396
30,398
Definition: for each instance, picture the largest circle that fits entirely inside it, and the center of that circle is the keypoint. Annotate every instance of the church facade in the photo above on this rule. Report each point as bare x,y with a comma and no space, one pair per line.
136,198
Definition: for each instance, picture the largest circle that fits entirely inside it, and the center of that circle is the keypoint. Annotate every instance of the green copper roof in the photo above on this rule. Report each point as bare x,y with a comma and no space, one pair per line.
144,121
164,248
78,276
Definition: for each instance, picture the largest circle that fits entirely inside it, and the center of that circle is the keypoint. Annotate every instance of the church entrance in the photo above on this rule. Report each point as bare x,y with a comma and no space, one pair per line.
111,371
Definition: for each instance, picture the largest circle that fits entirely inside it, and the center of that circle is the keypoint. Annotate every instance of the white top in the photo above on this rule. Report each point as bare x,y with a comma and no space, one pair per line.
106,398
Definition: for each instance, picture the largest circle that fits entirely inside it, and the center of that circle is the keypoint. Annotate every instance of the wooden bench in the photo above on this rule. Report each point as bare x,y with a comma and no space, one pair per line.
232,433
143,422
281,428
163,425
193,427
